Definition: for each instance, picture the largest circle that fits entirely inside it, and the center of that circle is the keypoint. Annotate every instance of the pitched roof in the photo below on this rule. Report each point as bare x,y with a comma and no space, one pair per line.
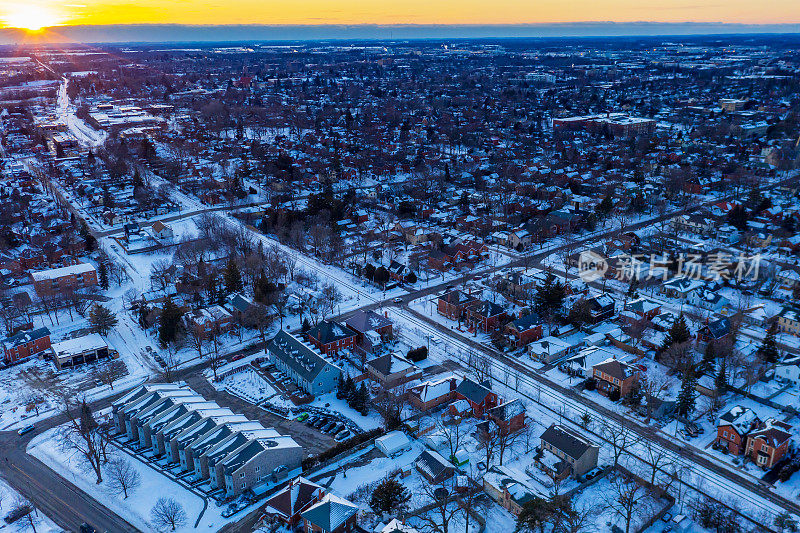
303,359
564,439
294,498
474,391
364,321
616,369
330,513
327,331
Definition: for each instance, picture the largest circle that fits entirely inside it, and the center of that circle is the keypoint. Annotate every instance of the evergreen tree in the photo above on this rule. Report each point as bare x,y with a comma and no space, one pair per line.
678,333
362,404
306,325
102,272
232,277
211,288
390,495
102,319
707,363
169,322
688,394
721,380
261,288
769,349
549,296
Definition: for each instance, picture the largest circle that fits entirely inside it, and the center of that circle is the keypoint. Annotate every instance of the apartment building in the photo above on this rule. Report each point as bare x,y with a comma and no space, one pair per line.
61,280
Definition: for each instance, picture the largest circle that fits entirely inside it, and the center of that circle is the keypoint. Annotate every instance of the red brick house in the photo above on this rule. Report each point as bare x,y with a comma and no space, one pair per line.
768,444
292,500
733,428
454,304
480,396
485,316
509,416
330,337
525,330
612,374
432,394
59,280
332,514
25,344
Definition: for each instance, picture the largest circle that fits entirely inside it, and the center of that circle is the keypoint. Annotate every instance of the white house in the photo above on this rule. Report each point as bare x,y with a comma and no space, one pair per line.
788,369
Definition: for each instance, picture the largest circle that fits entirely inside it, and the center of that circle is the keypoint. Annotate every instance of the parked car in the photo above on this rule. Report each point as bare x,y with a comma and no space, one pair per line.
398,300
593,473
343,435
86,528
302,417
337,428
26,429
310,420
328,427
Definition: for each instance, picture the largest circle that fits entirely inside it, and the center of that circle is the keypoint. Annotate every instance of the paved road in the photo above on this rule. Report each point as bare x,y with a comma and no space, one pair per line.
58,498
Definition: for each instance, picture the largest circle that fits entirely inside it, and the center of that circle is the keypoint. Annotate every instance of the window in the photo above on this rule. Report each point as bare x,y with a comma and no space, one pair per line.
258,468
241,475
724,434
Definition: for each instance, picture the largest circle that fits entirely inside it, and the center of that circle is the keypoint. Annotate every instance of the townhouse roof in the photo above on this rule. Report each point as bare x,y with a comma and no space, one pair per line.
254,447
307,362
569,442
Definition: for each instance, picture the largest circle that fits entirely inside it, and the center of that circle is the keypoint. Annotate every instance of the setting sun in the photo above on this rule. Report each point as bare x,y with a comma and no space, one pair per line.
31,18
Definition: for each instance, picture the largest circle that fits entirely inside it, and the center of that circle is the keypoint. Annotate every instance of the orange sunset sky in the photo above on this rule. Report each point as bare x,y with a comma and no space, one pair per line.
34,14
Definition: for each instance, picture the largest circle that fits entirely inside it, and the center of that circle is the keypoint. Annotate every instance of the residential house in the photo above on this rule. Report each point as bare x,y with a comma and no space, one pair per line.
788,369
614,375
431,394
331,514
714,330
549,349
565,453
768,444
25,344
288,503
391,370
210,320
789,321
330,337
681,287
485,316
161,231
509,489
509,416
525,330
733,427
479,395
371,329
453,304
600,308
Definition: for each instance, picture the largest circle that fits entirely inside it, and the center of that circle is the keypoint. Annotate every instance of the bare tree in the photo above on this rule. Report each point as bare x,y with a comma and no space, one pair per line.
626,499
654,385
110,371
213,357
122,476
196,339
168,513
656,458
42,383
619,436
161,274
82,435
438,518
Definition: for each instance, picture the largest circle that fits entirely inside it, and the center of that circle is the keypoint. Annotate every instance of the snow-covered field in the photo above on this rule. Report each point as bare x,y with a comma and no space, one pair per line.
136,508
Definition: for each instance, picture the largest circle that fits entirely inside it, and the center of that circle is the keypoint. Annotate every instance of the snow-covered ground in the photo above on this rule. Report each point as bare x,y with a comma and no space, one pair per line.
136,508
11,499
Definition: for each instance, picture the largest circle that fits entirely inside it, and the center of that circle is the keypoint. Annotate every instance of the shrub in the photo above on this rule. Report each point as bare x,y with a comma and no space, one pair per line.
418,354
590,384
613,395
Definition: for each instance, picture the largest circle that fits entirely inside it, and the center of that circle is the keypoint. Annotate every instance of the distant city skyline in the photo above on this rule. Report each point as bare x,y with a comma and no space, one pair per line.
34,15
